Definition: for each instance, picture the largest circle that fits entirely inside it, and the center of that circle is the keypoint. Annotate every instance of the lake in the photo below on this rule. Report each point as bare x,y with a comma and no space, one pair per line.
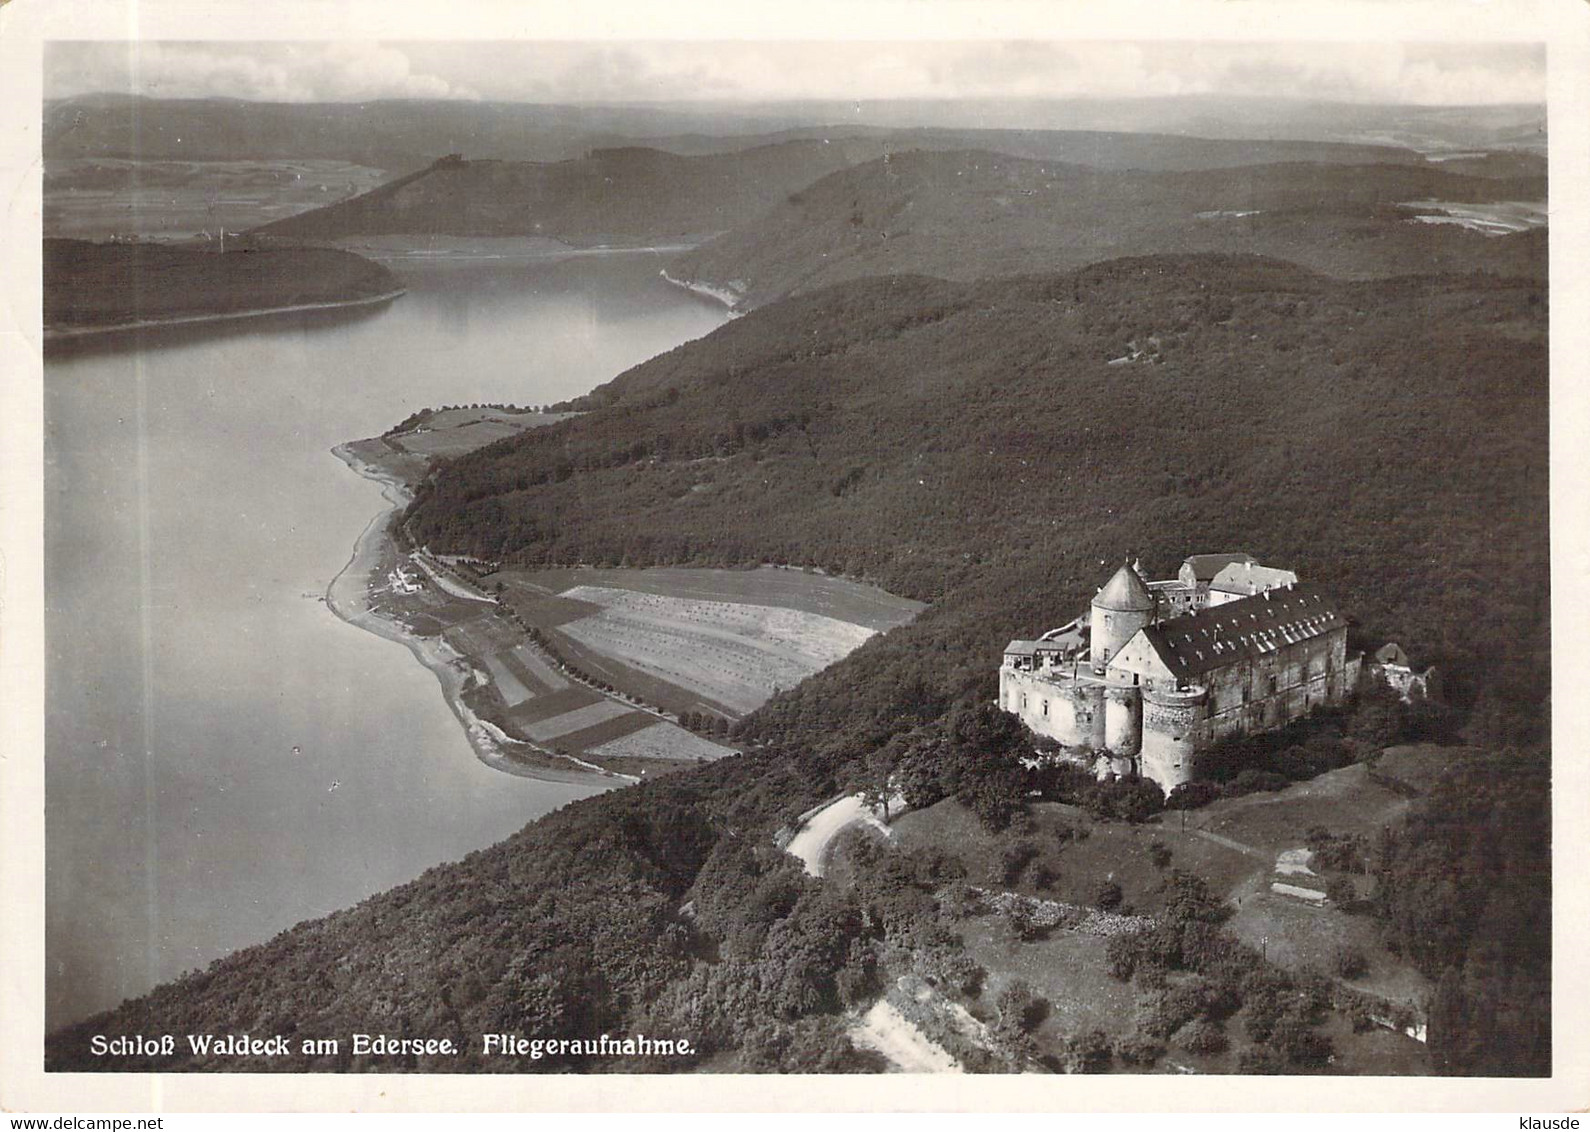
224,757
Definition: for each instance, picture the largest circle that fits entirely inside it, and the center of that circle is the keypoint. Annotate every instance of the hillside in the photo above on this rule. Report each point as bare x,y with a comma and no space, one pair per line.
968,444
971,214
641,192
609,195
89,285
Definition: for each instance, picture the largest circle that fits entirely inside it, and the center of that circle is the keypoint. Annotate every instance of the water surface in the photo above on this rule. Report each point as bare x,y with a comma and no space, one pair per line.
225,758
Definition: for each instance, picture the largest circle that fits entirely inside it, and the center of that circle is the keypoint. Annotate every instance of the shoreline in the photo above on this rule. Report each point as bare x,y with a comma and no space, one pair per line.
345,597
718,294
73,333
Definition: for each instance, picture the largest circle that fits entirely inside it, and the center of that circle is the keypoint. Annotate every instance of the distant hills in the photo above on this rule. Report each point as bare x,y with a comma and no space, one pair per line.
621,195
402,136
974,214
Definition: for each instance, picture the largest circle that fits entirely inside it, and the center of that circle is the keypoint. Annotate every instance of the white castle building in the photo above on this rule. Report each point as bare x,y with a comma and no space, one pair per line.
1156,671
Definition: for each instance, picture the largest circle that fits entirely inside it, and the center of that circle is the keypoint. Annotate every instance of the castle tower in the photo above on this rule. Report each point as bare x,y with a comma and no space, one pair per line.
1120,609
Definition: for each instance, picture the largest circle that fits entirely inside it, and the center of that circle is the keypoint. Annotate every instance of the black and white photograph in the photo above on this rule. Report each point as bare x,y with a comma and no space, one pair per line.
964,551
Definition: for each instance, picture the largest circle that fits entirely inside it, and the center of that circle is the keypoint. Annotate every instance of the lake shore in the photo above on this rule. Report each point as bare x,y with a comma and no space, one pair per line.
75,333
347,598
718,294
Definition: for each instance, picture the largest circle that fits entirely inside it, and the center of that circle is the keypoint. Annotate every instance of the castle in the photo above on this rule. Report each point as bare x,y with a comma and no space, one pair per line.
1156,671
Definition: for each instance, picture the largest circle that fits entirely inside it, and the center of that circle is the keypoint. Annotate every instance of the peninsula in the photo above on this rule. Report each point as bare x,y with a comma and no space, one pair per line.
92,289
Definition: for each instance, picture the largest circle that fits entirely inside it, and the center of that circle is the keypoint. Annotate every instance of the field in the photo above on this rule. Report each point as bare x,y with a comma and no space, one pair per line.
94,199
525,694
840,598
659,741
732,653
718,642
454,432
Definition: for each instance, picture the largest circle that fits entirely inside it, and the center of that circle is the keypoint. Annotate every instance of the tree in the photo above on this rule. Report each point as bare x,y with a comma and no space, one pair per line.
1108,895
1021,1009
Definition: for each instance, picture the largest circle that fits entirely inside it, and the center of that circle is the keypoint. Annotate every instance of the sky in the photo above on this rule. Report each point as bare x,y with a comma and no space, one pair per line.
631,72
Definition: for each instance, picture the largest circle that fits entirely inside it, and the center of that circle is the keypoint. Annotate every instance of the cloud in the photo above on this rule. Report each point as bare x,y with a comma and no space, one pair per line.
272,72
789,70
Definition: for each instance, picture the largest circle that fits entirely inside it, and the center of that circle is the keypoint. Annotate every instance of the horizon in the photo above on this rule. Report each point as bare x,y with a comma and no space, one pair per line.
629,104
749,73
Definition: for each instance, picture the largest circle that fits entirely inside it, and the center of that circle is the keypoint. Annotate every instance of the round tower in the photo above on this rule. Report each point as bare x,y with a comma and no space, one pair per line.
1123,719
1171,718
1120,609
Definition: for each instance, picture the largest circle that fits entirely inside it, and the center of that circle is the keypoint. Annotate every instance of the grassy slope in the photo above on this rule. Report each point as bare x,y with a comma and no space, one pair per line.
973,214
1386,438
110,284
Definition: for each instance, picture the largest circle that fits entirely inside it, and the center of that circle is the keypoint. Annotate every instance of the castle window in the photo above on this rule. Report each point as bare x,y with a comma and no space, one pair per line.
1272,683
1046,709
1024,701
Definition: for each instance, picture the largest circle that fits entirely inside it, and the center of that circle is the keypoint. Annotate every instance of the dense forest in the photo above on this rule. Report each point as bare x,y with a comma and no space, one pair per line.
974,214
971,445
91,285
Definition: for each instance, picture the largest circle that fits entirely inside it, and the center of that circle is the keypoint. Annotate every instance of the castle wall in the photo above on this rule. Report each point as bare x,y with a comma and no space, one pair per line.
1270,691
1067,710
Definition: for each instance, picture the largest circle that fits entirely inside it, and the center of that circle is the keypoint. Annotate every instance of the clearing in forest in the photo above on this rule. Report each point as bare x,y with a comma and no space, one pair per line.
735,653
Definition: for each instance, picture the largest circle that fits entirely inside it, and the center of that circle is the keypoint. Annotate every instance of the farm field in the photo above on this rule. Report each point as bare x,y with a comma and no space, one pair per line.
661,741
840,598
701,640
95,198
453,432
733,653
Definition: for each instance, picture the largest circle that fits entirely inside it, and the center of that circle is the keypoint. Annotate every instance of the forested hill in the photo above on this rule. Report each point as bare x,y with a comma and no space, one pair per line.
974,441
974,214
969,444
88,285
610,194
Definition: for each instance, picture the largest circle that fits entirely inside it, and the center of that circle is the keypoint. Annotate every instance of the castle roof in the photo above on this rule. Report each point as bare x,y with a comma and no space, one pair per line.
1206,566
1021,648
1126,592
1240,630
1249,578
1392,654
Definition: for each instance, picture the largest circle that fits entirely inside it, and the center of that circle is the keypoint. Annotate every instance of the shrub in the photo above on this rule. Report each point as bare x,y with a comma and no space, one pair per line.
1088,1053
1013,861
1159,853
1187,897
1252,781
1133,801
1351,962
1108,895
1123,953
1203,1037
951,967
1192,795
960,901
1302,1045
1021,1009
1139,1049
1022,924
